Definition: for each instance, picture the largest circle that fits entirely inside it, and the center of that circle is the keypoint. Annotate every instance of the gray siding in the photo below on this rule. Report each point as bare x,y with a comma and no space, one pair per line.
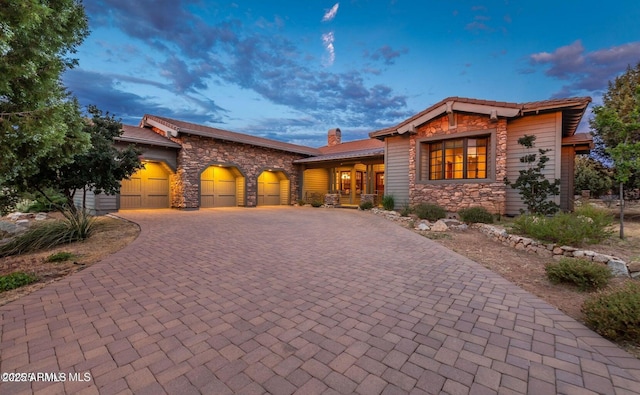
548,131
396,169
100,204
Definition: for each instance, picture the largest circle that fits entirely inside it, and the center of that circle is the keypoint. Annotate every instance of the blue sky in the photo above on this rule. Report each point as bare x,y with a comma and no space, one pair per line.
291,70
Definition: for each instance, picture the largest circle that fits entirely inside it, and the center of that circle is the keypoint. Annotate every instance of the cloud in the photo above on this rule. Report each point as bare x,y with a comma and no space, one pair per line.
191,55
387,54
105,91
586,71
331,13
327,41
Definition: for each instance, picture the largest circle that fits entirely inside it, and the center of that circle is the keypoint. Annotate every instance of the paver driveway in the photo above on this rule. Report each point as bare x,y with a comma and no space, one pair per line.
279,300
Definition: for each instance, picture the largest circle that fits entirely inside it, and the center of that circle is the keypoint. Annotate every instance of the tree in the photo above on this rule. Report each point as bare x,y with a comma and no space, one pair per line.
40,124
620,99
591,175
99,169
623,122
534,188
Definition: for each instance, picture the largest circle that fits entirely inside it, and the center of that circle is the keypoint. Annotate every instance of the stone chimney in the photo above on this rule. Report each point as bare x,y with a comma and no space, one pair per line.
334,137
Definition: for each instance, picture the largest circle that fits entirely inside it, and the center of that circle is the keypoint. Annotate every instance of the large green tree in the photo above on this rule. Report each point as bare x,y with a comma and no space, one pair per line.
619,101
99,169
40,124
617,124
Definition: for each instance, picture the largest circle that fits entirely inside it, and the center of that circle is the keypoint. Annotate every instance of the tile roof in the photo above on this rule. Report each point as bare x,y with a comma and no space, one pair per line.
355,145
342,155
138,135
207,131
572,108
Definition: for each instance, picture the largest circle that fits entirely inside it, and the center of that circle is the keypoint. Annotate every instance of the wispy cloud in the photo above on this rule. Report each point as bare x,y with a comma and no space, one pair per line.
327,41
583,70
331,13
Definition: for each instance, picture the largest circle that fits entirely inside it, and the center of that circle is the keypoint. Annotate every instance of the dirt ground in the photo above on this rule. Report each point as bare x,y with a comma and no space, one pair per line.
523,269
110,235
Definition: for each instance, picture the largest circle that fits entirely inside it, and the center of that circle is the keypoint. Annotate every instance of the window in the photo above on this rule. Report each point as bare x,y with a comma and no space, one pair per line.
457,159
345,181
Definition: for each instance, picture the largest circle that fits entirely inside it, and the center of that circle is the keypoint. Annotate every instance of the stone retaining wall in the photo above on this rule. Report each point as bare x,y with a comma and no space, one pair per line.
550,250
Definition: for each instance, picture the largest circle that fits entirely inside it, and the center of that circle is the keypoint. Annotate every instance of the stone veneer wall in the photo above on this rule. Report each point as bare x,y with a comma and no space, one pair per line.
460,195
198,152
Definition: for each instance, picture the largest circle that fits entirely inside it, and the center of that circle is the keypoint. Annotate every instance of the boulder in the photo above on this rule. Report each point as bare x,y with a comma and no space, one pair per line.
439,226
618,268
422,226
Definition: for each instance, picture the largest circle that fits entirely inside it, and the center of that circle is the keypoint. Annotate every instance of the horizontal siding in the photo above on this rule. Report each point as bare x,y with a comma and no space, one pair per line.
284,192
100,204
397,169
315,181
545,128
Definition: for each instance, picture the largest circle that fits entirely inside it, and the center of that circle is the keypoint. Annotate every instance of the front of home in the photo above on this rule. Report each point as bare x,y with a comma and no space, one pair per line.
455,153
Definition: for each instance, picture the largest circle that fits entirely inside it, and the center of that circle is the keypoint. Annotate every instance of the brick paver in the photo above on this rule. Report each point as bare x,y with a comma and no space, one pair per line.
297,300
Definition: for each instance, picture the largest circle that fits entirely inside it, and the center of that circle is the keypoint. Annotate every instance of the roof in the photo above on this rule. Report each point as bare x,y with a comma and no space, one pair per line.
174,127
137,135
365,153
572,110
355,145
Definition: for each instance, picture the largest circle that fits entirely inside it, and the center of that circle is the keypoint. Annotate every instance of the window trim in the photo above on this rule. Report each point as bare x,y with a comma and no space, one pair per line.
491,158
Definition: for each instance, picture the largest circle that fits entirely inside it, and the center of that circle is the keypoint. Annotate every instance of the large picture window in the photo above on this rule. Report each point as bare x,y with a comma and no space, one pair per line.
458,159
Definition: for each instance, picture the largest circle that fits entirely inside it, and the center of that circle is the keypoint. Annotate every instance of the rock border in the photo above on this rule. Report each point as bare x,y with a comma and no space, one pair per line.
550,250
618,267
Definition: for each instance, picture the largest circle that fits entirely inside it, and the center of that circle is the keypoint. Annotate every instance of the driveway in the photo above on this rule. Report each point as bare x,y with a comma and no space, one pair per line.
282,300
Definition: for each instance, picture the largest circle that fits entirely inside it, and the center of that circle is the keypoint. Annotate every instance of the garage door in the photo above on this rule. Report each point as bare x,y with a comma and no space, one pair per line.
218,187
268,189
147,188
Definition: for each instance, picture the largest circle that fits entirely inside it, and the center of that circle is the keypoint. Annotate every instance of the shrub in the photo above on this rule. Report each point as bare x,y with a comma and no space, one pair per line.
301,202
367,205
431,212
615,314
388,202
316,203
75,227
15,280
586,275
588,225
476,215
406,210
60,257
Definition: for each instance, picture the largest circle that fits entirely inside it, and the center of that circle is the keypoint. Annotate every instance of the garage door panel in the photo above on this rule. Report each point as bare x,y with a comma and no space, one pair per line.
130,202
218,188
147,188
270,188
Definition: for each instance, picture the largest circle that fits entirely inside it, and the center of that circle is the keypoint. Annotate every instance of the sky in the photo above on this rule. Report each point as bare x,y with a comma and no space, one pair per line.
290,70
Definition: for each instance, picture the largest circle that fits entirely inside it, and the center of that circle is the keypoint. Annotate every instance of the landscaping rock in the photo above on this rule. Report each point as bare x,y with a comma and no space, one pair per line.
41,216
618,267
440,226
634,266
422,226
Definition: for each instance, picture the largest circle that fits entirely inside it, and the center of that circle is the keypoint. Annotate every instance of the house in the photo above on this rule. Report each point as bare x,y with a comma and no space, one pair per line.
458,152
455,153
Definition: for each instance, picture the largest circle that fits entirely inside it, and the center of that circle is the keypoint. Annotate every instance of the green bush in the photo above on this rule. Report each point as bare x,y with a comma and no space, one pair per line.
16,280
388,202
406,210
431,212
615,314
586,275
60,257
473,215
75,227
367,205
587,225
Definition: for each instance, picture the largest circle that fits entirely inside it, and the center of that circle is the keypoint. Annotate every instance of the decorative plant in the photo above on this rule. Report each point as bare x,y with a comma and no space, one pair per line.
535,189
388,202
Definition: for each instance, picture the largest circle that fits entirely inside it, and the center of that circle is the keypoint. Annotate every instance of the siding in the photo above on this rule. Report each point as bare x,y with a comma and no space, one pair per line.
100,204
285,187
315,181
567,179
396,165
548,131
